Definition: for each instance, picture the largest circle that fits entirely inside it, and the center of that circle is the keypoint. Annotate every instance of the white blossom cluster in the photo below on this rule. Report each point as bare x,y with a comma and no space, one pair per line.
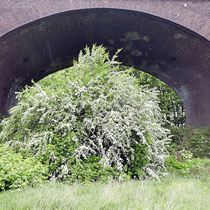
104,110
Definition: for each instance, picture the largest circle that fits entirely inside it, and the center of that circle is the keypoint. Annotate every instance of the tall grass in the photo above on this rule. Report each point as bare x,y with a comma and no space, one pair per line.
174,192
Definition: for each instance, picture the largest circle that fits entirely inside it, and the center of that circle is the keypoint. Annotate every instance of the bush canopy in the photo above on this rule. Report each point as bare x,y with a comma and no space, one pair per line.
90,120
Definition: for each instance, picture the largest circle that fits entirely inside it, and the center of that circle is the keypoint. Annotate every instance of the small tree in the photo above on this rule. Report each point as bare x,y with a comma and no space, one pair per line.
91,111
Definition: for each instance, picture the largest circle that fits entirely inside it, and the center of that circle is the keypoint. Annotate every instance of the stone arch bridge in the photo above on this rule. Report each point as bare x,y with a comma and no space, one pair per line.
168,39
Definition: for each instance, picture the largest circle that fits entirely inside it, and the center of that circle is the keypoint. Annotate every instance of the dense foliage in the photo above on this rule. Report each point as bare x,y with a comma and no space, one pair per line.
90,122
17,171
189,151
195,140
170,104
187,165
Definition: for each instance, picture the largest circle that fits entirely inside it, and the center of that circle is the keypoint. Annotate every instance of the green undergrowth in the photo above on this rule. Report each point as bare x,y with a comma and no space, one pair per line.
189,167
195,140
16,171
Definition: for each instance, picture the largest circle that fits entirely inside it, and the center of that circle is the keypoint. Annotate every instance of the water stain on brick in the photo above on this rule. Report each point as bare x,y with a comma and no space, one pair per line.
136,53
179,36
135,36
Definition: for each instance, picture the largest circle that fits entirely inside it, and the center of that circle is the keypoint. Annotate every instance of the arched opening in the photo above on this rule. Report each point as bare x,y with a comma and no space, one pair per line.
159,47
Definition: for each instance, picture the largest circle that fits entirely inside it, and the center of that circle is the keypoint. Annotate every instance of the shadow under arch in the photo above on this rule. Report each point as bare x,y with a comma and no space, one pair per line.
170,52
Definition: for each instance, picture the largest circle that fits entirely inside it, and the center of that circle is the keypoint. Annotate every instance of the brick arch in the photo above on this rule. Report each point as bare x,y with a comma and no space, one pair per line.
172,53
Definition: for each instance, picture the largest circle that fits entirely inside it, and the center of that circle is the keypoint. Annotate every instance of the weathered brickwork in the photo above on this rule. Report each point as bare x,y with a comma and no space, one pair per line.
193,14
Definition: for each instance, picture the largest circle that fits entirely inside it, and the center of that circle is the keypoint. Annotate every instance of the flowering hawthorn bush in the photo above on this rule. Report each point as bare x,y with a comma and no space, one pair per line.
89,121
